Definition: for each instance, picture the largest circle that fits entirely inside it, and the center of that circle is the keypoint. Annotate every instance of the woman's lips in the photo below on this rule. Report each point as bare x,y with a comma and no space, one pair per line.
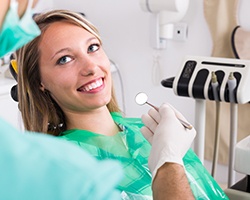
91,86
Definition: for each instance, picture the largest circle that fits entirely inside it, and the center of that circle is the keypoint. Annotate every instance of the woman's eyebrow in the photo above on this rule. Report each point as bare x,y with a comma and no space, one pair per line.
60,51
68,49
92,38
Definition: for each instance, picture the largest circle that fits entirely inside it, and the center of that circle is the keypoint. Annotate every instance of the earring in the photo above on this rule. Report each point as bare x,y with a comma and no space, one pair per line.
54,127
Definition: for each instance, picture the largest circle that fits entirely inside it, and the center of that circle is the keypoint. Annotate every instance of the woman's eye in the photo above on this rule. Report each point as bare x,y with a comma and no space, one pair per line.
63,60
93,48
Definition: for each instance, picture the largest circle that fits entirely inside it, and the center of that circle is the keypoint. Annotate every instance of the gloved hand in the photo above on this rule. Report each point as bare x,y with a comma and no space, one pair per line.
170,140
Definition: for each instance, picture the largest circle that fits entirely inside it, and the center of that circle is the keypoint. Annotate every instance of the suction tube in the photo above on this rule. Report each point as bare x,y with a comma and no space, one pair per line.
215,86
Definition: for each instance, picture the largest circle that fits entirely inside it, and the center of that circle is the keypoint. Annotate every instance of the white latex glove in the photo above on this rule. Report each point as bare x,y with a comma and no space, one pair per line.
169,139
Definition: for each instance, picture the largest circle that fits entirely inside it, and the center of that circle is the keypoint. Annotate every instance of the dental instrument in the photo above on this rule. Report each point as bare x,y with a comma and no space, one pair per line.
231,87
233,127
142,98
215,87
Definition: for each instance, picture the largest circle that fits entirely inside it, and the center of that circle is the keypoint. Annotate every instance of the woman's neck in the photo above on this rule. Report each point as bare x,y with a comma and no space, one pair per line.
98,121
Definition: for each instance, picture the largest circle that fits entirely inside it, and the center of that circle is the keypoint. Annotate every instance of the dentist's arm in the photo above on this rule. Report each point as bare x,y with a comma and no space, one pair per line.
171,182
170,142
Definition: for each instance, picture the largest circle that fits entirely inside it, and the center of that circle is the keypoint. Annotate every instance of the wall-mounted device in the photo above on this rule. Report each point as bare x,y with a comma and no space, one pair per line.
165,13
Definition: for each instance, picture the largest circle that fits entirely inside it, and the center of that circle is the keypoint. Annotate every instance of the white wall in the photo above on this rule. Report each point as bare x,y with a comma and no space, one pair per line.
125,31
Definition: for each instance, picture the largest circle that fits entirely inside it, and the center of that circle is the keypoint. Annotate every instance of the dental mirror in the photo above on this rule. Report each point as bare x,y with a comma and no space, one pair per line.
142,98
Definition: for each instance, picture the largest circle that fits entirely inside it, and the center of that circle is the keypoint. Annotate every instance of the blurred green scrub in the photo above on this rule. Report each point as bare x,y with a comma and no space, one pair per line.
37,166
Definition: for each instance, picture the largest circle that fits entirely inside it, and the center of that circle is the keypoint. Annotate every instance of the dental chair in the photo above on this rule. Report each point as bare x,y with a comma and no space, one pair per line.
241,189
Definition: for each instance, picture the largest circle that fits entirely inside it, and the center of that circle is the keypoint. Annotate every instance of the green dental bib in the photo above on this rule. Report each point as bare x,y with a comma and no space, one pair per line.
128,146
131,149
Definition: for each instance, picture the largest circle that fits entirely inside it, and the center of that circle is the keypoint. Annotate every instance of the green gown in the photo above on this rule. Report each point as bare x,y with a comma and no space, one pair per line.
132,150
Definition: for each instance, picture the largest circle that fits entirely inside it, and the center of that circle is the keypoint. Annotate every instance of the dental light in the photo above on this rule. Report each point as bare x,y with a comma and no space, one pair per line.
164,14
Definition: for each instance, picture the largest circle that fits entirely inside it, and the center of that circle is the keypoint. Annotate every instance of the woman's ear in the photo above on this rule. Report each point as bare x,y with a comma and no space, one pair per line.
42,87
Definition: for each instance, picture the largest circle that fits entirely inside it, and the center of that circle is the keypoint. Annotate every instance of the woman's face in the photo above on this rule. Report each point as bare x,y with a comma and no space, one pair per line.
74,68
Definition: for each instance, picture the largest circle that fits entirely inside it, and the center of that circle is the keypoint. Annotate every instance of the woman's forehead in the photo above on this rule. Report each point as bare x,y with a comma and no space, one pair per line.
63,32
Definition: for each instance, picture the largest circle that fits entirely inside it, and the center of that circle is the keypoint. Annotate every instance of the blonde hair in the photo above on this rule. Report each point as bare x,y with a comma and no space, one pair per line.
40,113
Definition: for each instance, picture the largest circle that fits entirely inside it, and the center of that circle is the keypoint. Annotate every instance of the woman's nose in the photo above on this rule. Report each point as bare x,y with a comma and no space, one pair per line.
87,66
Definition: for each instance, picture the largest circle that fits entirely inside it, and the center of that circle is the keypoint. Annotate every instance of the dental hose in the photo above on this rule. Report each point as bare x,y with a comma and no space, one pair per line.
233,127
215,90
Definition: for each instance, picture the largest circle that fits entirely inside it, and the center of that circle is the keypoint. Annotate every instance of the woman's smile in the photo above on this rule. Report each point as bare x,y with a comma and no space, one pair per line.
93,86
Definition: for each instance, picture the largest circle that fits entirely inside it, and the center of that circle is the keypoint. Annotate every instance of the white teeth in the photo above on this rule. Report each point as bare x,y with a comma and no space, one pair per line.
99,83
93,85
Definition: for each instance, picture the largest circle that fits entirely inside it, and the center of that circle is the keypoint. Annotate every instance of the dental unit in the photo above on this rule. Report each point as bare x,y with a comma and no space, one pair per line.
220,80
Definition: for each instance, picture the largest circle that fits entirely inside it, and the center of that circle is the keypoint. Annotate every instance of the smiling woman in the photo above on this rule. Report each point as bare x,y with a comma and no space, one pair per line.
77,75
60,82
41,166
65,89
